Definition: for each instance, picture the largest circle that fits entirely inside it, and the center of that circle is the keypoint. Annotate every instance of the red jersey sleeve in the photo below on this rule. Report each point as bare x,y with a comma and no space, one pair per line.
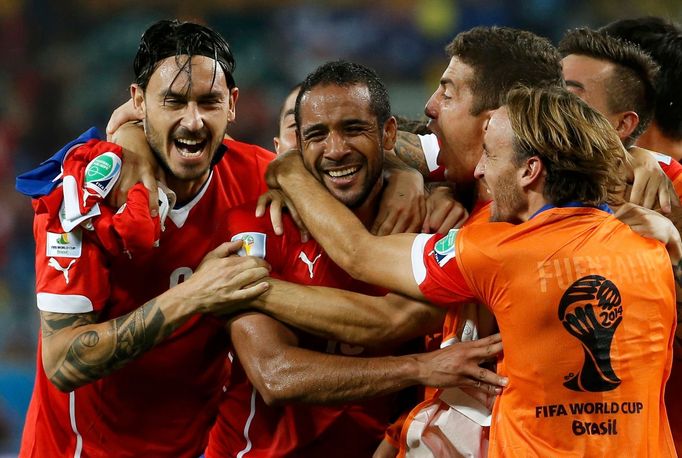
436,269
672,169
71,272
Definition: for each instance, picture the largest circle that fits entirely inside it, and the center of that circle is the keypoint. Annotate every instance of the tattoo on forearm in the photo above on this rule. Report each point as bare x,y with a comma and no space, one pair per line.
95,353
409,149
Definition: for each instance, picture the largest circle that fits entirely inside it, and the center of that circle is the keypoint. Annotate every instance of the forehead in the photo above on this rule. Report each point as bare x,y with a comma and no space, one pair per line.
586,70
172,74
458,73
330,102
290,101
499,130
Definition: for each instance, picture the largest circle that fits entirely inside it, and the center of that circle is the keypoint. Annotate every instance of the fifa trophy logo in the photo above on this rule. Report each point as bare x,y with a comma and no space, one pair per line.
591,311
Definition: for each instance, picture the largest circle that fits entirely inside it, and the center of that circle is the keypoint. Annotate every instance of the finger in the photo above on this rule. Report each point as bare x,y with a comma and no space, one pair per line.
276,216
223,250
248,276
229,248
402,224
674,197
149,182
388,224
418,217
426,227
483,376
120,116
299,222
262,204
487,353
250,292
664,198
651,193
637,191
379,220
454,218
233,264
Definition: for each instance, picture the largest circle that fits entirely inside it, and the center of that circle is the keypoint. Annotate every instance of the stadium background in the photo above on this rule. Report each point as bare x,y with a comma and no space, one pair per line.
65,65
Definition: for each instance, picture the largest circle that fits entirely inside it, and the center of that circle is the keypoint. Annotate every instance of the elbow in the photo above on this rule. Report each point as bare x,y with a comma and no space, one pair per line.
354,259
56,377
55,374
275,383
62,385
274,390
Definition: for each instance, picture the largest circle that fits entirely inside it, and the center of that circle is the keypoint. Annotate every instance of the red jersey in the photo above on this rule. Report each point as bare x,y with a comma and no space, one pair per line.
587,319
246,426
163,403
672,169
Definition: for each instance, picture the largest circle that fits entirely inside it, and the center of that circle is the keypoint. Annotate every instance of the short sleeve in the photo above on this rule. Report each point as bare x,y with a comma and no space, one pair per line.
71,271
437,271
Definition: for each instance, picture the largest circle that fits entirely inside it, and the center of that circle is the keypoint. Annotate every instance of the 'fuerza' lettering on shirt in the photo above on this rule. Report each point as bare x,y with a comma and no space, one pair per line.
637,268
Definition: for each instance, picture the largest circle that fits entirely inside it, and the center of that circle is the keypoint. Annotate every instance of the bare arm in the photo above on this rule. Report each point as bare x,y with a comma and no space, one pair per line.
384,261
408,149
283,372
76,349
348,316
138,165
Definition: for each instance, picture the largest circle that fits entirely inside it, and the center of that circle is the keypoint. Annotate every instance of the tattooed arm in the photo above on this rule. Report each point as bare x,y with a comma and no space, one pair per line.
77,349
408,149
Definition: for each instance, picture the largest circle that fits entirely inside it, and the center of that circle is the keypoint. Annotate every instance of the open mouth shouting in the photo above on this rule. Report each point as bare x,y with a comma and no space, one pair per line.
189,148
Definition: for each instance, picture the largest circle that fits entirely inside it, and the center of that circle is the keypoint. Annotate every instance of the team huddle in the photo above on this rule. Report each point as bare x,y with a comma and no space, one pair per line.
502,285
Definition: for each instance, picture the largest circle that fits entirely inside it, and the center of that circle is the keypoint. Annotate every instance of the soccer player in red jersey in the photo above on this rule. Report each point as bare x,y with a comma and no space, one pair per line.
587,327
130,361
344,121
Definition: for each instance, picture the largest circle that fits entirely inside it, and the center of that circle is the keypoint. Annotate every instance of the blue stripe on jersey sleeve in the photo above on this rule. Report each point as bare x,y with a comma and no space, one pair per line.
42,180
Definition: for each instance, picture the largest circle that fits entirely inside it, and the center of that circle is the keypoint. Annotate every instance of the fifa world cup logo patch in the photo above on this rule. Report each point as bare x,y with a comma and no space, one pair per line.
253,244
591,311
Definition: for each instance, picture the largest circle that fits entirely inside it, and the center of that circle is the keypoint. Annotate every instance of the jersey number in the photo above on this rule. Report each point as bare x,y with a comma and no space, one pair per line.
179,275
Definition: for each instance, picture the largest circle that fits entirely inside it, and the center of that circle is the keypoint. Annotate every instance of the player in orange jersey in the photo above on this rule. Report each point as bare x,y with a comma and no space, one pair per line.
575,307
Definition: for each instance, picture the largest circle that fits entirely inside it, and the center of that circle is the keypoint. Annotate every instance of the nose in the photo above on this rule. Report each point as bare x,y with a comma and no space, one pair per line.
192,118
430,109
479,171
337,148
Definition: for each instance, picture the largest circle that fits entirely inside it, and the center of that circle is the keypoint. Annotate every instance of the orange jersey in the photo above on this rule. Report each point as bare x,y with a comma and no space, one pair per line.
586,309
438,423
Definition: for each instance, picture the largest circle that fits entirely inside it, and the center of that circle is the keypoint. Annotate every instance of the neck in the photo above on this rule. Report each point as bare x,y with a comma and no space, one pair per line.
654,140
535,202
185,190
367,211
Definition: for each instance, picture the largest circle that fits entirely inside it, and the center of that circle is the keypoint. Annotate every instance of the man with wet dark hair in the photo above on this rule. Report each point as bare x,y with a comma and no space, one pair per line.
131,360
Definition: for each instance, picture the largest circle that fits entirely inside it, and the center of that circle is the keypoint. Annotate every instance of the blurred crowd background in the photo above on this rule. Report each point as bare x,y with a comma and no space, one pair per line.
67,64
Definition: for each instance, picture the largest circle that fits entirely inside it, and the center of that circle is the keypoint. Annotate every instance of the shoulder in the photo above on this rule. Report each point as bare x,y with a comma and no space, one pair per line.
247,152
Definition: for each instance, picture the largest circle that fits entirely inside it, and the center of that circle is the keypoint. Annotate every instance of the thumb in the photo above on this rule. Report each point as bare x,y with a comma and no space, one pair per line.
224,250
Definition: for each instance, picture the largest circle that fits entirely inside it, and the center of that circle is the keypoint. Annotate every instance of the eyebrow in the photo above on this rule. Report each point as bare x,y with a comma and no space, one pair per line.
574,83
312,128
446,81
